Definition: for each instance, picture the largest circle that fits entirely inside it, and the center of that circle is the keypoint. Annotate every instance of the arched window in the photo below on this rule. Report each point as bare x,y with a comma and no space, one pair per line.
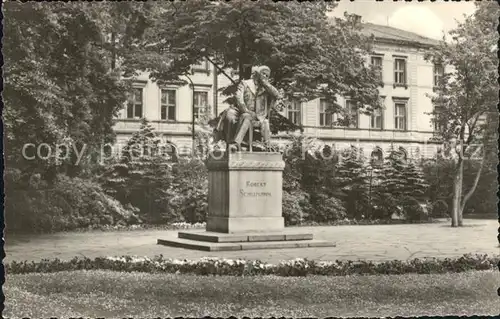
377,157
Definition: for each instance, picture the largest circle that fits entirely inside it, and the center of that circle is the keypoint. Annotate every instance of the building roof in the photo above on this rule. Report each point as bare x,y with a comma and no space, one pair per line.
389,34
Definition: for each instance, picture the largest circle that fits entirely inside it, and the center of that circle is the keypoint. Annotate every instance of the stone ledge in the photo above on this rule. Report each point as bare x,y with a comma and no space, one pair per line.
208,246
244,237
253,161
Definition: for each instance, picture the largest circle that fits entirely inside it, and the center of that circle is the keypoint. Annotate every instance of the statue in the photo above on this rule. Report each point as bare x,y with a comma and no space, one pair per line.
254,100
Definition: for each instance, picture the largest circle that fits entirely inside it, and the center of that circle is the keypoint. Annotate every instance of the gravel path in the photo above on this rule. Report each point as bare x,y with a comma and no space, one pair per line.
374,242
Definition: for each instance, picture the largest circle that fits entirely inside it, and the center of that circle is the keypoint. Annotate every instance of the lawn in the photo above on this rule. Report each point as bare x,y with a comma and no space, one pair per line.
117,295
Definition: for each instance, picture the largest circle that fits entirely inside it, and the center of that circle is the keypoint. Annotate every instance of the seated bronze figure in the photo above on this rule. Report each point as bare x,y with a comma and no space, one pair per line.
248,119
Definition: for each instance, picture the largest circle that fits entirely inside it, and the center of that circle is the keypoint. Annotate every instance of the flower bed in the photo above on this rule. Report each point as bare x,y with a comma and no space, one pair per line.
173,226
240,267
184,225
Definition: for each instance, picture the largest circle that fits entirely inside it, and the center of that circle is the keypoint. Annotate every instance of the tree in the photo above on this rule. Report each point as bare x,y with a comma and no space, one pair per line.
392,173
352,181
142,176
467,95
391,186
415,184
62,84
143,143
310,55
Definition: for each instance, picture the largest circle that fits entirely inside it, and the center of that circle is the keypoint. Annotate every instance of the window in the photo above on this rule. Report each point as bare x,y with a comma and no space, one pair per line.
294,113
376,62
400,71
437,125
377,157
134,105
200,103
325,118
438,122
352,112
201,66
400,116
168,105
377,119
438,73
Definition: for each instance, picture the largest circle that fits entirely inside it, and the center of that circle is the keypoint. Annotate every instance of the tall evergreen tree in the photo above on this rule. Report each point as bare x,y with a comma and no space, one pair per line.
416,186
143,143
352,180
391,186
142,175
392,173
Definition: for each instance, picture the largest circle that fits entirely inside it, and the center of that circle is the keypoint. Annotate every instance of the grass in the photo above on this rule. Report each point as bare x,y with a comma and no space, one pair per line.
117,295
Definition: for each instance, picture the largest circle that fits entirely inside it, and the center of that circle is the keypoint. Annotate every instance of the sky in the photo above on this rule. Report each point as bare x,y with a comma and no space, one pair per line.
426,18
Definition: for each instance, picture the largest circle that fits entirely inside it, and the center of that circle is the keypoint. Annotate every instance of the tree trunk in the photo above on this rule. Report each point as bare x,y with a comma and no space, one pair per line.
457,193
113,51
459,198
471,191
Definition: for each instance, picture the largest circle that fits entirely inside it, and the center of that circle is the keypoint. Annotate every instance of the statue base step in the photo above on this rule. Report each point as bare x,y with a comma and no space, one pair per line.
245,224
212,241
244,237
208,246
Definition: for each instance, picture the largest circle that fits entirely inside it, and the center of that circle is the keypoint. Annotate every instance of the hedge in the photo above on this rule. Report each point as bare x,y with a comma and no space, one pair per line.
67,204
240,267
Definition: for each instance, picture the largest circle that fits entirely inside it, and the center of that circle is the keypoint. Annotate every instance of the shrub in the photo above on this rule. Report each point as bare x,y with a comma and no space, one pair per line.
189,188
413,209
439,174
295,205
145,184
326,209
165,189
240,267
439,209
319,170
68,204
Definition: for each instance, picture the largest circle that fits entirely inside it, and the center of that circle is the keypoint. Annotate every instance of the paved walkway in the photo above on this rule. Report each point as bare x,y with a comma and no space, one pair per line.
377,242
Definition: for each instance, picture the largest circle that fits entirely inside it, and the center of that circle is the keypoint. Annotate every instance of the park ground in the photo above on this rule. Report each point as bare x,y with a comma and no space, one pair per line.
370,242
140,295
113,294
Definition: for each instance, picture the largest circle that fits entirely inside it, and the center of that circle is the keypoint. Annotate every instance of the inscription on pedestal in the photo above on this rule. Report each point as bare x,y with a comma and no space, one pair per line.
255,189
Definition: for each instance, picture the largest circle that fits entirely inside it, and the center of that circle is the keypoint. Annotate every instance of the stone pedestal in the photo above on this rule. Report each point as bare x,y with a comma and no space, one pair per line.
245,207
245,193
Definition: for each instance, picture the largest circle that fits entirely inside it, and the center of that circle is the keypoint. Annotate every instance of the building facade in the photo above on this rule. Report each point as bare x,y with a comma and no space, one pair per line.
404,121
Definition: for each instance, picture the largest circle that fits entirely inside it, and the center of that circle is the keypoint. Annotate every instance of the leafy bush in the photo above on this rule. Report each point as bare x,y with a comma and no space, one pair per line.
68,204
165,189
326,209
240,267
189,188
439,174
295,205
294,162
145,184
164,192
320,171
413,209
